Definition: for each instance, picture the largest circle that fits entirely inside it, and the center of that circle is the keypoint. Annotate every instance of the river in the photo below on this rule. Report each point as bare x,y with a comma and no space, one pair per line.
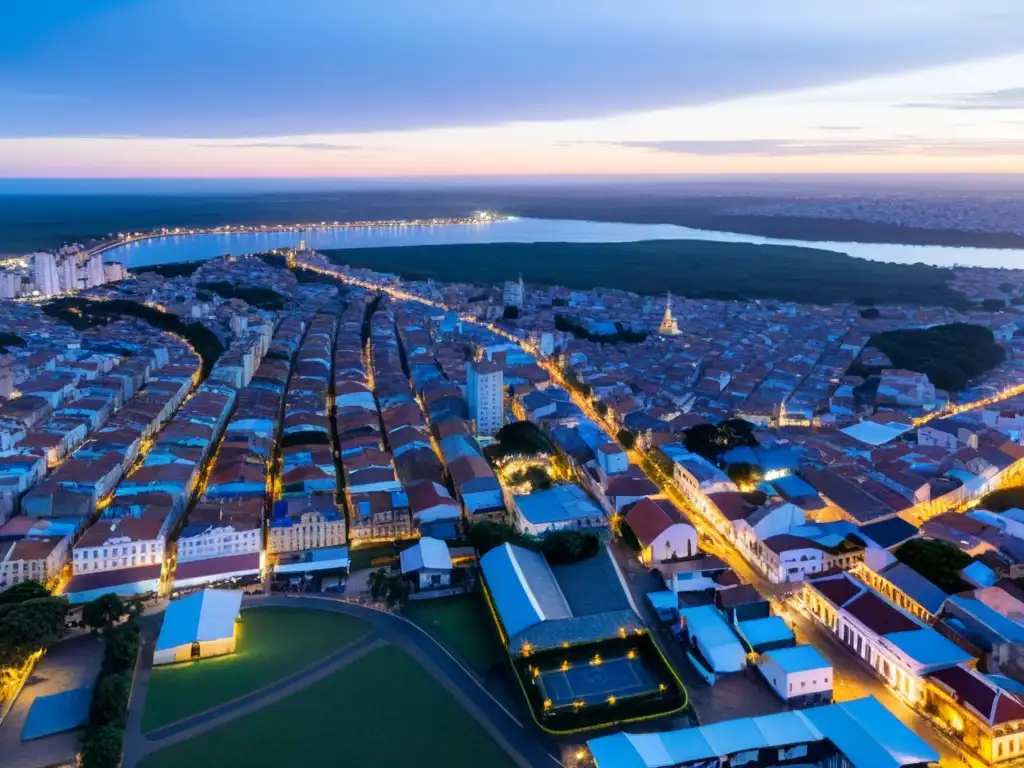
175,248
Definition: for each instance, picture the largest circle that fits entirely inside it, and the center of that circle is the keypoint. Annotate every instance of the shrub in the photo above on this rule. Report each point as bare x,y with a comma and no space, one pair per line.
564,547
103,748
110,701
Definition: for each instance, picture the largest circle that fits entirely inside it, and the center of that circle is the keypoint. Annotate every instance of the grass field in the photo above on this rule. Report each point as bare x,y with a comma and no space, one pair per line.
462,625
382,710
272,643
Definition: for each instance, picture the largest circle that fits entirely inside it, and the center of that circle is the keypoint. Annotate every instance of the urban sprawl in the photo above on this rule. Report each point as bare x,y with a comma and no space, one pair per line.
707,533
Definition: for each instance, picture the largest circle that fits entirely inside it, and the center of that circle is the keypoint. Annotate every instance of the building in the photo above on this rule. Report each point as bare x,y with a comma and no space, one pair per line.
712,645
898,646
35,558
513,293
44,274
668,326
295,527
127,542
559,508
800,675
853,734
984,715
198,626
661,530
428,563
485,393
906,588
539,607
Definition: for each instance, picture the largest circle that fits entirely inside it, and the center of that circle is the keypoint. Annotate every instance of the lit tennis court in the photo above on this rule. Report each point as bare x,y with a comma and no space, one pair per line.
594,683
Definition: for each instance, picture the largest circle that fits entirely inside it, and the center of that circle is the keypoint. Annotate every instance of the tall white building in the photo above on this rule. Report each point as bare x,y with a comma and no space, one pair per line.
484,391
513,293
10,285
44,274
94,271
67,273
113,272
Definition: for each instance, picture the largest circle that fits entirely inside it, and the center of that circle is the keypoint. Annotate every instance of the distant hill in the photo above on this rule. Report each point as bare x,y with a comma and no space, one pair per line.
692,268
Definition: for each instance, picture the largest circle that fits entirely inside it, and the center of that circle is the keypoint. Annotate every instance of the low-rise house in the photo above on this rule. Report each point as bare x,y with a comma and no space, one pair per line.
428,564
905,587
380,515
662,531
559,508
305,524
800,675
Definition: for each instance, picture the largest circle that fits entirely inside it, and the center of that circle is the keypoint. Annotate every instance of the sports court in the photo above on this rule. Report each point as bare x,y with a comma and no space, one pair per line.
593,683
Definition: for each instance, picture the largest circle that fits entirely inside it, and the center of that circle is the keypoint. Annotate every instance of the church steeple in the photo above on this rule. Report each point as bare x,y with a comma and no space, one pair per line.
669,327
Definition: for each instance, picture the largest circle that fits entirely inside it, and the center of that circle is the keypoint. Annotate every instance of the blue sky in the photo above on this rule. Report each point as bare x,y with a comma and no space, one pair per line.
407,87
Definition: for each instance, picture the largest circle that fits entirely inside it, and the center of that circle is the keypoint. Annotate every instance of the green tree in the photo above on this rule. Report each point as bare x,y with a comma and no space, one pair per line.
110,701
511,313
30,626
122,647
938,561
712,440
626,439
26,590
485,535
103,612
563,547
601,408
102,749
378,583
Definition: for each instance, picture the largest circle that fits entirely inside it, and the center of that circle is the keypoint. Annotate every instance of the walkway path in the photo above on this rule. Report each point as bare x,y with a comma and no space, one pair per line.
521,742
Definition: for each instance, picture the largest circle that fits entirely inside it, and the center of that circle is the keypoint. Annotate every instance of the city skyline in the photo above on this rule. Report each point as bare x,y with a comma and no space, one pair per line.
124,89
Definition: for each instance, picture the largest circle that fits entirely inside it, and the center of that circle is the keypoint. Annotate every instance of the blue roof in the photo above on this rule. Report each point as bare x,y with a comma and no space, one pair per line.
199,617
563,502
1005,627
863,730
980,574
794,487
799,658
928,648
768,459
869,735
664,600
915,586
889,533
759,632
512,599
60,712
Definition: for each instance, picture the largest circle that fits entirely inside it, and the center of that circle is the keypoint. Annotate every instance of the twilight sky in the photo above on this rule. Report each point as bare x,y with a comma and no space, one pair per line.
137,88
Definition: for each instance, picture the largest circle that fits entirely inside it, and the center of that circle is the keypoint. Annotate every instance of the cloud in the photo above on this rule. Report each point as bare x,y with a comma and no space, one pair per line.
1006,98
237,69
810,147
314,145
837,127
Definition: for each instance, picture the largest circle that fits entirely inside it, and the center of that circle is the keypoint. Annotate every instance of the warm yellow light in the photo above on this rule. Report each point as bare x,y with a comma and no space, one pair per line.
565,666
580,754
596,660
631,654
611,699
547,703
662,687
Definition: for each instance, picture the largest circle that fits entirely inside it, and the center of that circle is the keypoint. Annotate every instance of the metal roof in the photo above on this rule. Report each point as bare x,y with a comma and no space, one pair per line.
200,617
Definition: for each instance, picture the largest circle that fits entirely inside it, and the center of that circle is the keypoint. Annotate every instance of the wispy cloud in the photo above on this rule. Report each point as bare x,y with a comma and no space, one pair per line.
1006,98
320,146
837,127
806,147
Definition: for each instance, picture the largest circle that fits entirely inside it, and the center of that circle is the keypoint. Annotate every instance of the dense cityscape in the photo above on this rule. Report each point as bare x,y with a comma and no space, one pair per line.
535,385
703,528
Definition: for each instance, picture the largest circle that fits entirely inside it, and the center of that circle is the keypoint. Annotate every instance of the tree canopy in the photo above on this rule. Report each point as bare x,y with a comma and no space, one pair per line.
103,612
26,590
938,561
712,440
522,438
563,547
950,355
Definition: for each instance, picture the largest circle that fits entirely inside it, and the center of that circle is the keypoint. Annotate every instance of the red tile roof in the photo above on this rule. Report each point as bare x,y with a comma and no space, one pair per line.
879,615
648,520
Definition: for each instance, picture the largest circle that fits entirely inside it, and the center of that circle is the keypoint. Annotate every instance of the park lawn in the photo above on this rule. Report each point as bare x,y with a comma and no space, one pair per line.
273,643
461,624
382,709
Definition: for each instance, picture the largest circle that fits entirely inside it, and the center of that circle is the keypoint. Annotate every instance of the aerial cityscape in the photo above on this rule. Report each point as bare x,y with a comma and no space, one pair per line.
462,406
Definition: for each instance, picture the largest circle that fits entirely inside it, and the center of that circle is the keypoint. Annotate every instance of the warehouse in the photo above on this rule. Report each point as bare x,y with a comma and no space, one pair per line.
198,626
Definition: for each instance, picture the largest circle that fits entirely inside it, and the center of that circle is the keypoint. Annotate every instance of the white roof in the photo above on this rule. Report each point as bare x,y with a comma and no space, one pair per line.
427,553
200,617
873,433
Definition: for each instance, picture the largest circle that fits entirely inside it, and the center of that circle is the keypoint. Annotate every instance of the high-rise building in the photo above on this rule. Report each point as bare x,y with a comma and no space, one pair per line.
513,293
94,271
10,285
67,274
113,272
44,274
484,390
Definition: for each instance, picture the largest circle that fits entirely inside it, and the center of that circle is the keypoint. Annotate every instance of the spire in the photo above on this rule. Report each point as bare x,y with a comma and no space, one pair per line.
521,286
669,327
